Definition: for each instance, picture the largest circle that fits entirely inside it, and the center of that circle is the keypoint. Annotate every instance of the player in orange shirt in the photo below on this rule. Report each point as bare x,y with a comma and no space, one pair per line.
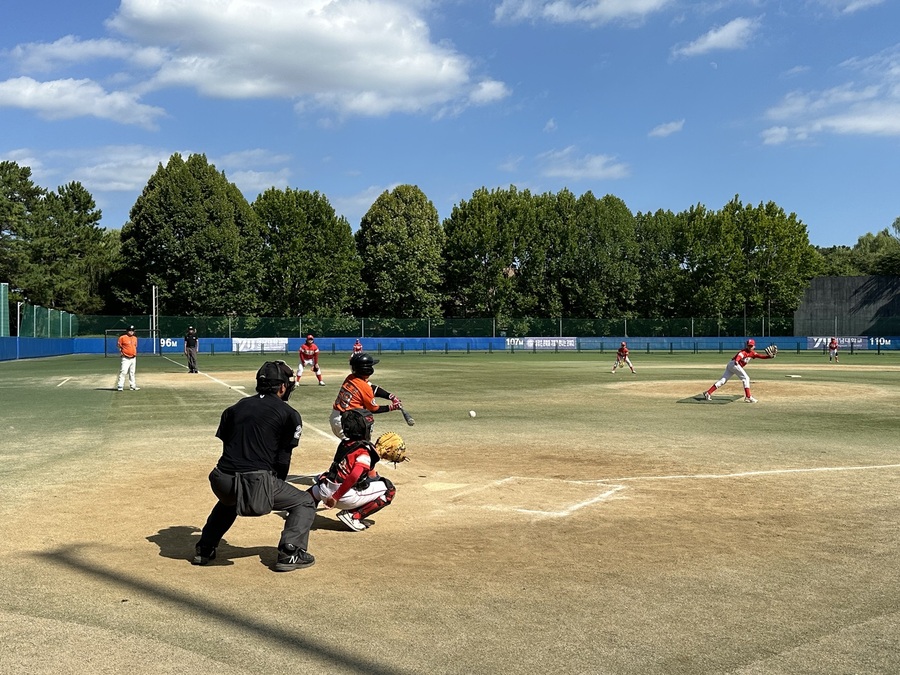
309,356
356,392
622,359
128,344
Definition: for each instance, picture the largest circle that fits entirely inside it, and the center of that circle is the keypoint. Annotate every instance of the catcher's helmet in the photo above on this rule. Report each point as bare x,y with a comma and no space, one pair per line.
270,377
357,424
362,364
751,343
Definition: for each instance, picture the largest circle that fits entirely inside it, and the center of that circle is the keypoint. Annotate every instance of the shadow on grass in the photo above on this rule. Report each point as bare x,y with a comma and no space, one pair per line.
716,400
293,640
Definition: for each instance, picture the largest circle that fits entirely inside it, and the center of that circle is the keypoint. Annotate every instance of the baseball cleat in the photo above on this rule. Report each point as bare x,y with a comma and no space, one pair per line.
749,399
321,384
346,517
707,396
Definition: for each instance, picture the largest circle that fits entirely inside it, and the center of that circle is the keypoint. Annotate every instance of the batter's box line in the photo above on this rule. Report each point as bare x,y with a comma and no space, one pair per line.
565,512
613,489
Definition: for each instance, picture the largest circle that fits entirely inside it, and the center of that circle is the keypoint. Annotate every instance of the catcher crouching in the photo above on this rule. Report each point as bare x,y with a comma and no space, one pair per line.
352,484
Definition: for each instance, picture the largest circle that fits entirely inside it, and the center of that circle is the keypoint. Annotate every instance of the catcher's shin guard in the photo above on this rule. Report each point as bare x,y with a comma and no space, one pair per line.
376,505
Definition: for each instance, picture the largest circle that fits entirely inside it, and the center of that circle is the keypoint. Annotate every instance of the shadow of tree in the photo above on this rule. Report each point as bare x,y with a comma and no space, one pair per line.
293,638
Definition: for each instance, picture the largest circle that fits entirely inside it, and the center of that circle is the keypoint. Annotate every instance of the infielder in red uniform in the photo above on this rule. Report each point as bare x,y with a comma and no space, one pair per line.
622,358
736,367
309,356
833,347
352,484
357,347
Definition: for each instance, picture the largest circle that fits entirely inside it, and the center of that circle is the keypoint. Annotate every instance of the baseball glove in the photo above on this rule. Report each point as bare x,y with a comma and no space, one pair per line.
391,448
772,351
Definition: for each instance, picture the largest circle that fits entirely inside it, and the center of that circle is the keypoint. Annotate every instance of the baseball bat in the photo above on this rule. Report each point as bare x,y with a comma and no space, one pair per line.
409,420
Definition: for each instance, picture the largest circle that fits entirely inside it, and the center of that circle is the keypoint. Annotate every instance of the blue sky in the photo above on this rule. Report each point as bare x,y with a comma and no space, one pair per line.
663,103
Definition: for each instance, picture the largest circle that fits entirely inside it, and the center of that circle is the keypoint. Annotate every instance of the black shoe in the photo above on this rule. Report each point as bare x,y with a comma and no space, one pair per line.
291,558
203,556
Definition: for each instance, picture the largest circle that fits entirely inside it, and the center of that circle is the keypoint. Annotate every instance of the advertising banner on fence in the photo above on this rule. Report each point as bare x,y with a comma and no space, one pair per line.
260,345
856,342
552,343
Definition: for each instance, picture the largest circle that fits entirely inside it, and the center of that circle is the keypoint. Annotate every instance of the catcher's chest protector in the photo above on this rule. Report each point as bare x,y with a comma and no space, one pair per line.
345,448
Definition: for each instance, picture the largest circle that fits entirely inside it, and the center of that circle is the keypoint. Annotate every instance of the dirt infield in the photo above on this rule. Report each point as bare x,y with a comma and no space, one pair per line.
518,542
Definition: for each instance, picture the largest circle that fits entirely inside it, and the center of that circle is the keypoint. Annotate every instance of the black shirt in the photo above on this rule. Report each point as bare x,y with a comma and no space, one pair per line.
258,432
190,340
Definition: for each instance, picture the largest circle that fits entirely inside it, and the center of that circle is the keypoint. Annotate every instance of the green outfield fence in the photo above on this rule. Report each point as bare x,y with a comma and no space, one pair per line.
36,321
250,327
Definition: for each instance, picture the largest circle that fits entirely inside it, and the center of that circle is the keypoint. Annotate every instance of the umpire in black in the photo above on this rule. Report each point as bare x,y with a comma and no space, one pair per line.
258,434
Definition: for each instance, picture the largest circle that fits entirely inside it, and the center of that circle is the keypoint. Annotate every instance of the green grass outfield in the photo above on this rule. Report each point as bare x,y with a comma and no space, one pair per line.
582,522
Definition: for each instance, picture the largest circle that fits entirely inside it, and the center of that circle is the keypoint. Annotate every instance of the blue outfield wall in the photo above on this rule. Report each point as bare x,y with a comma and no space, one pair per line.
12,348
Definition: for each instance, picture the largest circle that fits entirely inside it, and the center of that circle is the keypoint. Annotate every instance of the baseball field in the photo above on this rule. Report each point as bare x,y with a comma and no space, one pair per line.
581,522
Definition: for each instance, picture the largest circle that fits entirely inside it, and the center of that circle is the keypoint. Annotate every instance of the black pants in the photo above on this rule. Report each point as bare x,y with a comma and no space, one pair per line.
191,354
299,504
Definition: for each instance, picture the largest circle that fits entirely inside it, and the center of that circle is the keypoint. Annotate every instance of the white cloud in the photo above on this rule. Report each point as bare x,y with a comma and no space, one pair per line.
736,34
550,126
356,57
866,106
850,6
354,207
63,99
592,12
666,129
45,57
565,164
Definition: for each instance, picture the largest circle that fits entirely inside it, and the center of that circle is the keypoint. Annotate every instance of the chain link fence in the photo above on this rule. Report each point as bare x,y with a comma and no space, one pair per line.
256,327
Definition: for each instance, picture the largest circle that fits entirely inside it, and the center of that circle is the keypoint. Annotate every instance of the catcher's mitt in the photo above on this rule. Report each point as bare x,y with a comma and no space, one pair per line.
391,448
772,351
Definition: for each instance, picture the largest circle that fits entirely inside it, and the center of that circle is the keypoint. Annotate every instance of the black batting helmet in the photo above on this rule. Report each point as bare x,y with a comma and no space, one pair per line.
357,424
270,377
362,364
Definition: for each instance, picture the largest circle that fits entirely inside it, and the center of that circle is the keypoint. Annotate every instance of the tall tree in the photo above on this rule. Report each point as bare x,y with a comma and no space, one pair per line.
193,235
69,257
708,247
482,253
608,274
779,260
312,265
21,203
660,252
400,241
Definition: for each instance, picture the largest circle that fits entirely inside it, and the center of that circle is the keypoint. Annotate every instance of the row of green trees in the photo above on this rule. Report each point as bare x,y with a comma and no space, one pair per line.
502,253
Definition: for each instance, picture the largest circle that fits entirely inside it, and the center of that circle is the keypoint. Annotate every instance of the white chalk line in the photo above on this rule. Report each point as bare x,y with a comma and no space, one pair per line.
743,474
613,488
239,389
64,381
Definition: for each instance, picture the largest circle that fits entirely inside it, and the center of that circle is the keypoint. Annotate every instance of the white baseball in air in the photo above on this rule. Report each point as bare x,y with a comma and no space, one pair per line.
471,413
